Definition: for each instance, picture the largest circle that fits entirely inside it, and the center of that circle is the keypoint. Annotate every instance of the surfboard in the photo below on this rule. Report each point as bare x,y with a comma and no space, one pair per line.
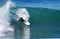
27,23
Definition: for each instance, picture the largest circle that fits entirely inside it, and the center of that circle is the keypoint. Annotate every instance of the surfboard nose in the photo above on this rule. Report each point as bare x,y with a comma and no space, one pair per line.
27,23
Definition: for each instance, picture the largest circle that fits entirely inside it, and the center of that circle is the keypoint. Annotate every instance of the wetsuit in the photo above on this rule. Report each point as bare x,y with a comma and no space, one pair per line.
21,19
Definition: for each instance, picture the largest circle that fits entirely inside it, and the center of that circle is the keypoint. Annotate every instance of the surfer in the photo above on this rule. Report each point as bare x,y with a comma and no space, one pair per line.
23,16
21,19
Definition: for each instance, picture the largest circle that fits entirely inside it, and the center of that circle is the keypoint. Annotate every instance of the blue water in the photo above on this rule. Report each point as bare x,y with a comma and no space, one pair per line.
52,4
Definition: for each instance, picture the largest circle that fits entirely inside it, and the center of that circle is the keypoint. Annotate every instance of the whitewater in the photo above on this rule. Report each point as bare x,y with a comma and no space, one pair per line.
6,30
5,19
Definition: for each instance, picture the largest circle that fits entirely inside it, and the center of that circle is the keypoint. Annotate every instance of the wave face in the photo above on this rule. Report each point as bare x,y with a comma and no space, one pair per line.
44,15
44,22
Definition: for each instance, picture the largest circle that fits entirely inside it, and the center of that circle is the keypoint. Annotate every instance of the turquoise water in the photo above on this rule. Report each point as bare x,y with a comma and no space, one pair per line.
45,23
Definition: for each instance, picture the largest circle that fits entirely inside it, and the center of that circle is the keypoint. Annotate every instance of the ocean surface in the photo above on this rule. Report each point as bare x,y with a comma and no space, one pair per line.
45,21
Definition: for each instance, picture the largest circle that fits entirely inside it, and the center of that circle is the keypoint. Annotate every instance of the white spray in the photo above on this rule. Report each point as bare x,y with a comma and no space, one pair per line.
5,18
26,32
22,12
